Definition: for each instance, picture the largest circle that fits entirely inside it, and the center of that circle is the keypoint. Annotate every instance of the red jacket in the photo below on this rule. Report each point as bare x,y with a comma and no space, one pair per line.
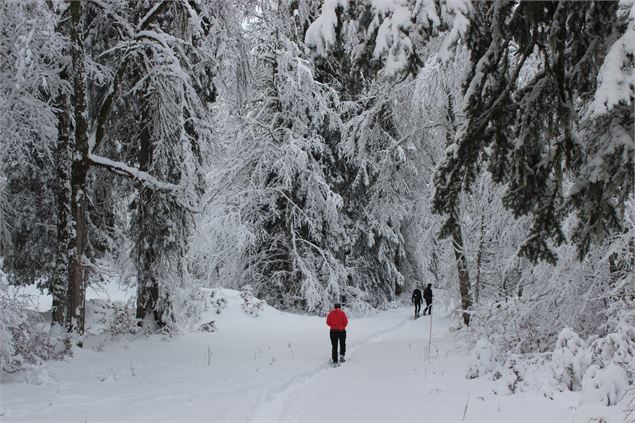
337,319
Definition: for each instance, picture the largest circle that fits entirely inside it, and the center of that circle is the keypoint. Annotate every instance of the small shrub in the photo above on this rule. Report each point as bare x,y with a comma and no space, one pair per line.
509,378
569,360
251,305
606,385
217,301
482,359
207,327
123,320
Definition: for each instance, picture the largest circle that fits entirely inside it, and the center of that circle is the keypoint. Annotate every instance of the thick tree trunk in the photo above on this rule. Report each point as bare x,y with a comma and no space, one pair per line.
59,283
79,170
464,276
148,293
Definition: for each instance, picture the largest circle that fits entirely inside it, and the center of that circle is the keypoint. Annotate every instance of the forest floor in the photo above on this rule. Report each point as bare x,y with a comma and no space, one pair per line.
275,367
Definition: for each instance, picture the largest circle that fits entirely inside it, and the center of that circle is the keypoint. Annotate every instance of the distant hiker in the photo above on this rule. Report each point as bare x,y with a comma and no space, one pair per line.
416,299
337,321
427,295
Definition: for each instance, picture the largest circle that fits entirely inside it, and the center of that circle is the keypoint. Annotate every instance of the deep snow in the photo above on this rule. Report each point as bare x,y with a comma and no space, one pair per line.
274,367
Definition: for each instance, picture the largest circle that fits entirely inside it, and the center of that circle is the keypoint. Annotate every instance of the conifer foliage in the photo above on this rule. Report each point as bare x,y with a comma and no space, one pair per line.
535,116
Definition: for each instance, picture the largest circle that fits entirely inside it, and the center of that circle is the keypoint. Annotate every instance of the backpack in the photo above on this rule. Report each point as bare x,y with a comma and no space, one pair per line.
417,294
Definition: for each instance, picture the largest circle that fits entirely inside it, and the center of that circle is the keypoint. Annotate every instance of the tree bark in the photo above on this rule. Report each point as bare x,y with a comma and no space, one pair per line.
464,276
147,282
79,170
479,259
59,283
457,236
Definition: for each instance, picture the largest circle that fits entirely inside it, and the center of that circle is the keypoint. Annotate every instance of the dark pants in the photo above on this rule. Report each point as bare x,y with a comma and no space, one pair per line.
417,307
428,307
338,335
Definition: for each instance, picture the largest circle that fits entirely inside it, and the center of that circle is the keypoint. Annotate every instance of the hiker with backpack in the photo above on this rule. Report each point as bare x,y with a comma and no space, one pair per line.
337,321
427,295
416,299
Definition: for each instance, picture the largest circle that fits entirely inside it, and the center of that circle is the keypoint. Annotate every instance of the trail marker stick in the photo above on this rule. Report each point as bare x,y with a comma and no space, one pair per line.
430,336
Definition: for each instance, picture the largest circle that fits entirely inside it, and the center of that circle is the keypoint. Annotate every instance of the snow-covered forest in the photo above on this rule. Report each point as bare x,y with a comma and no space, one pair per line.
293,154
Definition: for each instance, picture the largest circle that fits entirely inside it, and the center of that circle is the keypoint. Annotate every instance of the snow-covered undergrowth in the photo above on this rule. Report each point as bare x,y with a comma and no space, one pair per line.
24,340
602,368
573,322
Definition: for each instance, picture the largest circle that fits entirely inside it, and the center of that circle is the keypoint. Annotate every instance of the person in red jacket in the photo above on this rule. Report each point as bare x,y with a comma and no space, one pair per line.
337,321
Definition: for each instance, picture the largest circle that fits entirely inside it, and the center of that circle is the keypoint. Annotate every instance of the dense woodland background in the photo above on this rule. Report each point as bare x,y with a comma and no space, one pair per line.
319,151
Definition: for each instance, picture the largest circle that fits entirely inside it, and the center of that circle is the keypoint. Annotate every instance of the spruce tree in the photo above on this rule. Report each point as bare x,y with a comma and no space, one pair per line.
534,69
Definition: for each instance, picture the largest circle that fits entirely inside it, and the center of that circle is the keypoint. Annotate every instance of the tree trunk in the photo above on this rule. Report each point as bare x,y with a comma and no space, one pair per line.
147,283
479,259
79,170
59,283
464,277
457,236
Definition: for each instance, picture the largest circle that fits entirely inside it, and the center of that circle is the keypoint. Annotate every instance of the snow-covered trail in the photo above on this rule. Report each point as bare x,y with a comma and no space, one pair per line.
391,377
275,367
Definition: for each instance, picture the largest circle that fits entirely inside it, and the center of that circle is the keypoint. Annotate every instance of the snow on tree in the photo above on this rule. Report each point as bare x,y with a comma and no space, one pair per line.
528,74
166,68
364,50
570,359
282,190
33,56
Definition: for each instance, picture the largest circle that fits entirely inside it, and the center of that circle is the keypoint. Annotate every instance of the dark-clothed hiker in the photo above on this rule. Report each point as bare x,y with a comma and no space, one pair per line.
337,321
427,295
416,299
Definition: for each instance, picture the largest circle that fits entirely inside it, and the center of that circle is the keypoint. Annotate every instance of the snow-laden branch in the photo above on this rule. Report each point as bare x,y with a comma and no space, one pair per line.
152,15
107,103
138,175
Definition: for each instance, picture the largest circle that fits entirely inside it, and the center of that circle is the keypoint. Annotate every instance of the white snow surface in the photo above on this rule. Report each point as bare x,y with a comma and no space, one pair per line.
275,367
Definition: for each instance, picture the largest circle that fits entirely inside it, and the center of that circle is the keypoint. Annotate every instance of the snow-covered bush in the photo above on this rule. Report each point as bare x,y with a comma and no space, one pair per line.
482,359
358,308
510,326
123,320
11,317
629,398
207,327
24,337
608,379
569,360
592,299
509,378
616,348
251,305
217,301
194,302
606,385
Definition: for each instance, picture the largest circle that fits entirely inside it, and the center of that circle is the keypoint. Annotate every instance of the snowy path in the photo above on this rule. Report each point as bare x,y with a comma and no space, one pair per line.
275,368
275,404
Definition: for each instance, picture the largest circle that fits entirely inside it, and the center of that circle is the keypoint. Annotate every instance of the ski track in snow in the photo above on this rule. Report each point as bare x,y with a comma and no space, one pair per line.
273,402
